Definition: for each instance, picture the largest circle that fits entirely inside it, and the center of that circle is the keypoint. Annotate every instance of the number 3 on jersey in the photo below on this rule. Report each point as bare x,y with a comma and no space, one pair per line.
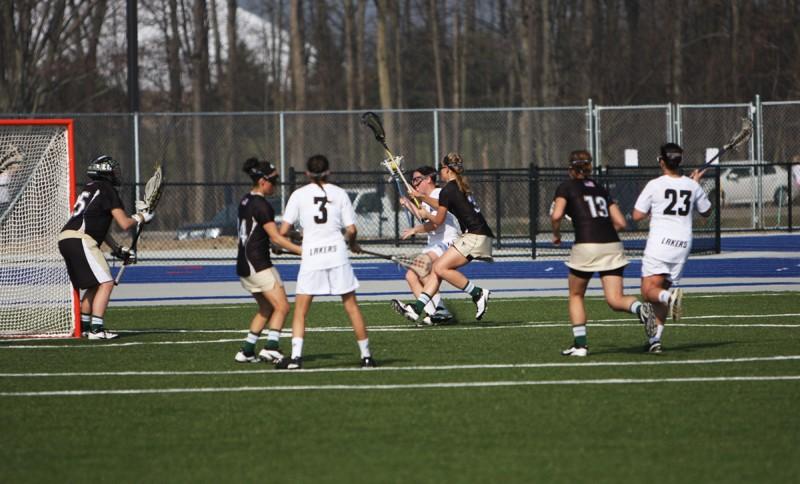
597,206
323,212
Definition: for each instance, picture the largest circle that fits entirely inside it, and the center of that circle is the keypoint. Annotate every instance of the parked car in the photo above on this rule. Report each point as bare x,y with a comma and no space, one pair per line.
375,217
740,184
222,223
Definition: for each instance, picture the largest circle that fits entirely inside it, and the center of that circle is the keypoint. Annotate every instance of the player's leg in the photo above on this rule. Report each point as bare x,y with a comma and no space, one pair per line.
612,282
247,353
280,309
655,290
89,270
441,313
446,268
577,282
359,328
102,295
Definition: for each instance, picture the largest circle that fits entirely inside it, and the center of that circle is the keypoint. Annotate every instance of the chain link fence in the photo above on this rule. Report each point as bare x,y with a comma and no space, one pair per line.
515,159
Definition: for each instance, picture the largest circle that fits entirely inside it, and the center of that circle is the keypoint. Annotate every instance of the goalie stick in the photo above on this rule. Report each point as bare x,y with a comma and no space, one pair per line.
421,264
152,194
742,137
392,163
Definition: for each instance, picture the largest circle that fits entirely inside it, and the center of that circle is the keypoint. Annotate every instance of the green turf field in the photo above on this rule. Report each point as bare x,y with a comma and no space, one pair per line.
488,401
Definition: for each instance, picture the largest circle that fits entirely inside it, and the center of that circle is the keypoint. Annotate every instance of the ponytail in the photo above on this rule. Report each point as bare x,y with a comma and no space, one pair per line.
455,163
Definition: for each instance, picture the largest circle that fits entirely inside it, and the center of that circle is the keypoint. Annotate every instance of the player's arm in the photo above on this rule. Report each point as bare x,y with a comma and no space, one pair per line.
123,221
350,234
641,208
275,235
559,210
433,202
617,219
418,229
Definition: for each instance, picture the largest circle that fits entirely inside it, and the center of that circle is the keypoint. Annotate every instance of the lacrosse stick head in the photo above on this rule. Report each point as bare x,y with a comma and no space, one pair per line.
373,122
421,264
742,137
393,164
152,189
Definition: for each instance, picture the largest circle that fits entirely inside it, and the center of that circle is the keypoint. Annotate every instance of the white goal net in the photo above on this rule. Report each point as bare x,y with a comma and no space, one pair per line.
36,298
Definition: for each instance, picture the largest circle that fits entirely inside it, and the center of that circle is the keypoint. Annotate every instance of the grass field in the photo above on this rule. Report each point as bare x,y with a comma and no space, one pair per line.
488,401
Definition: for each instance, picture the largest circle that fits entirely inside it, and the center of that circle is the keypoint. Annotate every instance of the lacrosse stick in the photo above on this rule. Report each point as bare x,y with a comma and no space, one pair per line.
742,137
421,264
392,163
152,194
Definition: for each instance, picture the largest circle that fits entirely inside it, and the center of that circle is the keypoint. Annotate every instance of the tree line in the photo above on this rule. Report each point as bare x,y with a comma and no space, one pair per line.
69,56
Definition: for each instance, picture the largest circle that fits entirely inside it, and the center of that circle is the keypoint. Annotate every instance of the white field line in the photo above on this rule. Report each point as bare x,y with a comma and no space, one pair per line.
498,366
600,323
494,300
406,386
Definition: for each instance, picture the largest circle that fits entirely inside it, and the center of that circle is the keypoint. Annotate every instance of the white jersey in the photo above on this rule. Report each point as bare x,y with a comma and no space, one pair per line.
322,212
447,232
671,202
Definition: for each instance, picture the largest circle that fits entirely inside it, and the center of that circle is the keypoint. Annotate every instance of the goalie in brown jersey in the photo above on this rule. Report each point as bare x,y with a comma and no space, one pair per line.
79,242
597,248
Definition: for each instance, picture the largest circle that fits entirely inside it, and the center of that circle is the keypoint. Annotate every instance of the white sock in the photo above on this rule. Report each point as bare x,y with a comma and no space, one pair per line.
469,287
363,345
273,335
297,347
663,296
251,337
634,309
437,301
579,330
659,332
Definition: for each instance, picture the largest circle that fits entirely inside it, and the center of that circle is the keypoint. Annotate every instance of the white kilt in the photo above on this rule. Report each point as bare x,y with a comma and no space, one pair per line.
333,281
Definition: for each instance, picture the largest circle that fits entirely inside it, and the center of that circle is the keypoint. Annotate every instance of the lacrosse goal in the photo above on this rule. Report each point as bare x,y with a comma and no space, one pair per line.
37,190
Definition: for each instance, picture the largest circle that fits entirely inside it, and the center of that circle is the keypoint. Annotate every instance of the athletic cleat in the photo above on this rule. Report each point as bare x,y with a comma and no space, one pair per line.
405,310
647,316
676,304
290,363
270,356
368,362
576,351
241,357
443,314
102,334
654,347
481,303
425,322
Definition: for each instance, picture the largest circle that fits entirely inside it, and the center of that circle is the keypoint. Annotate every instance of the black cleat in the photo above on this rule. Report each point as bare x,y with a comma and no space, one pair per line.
368,362
290,363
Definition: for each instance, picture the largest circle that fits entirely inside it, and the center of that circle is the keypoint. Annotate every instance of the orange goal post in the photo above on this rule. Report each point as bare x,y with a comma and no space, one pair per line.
37,191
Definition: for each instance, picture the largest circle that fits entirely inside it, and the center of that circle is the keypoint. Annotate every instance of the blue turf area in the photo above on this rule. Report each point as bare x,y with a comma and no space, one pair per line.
742,267
749,267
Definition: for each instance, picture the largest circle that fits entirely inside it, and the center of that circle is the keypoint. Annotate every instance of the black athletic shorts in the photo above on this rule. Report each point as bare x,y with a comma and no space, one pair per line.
85,265
588,275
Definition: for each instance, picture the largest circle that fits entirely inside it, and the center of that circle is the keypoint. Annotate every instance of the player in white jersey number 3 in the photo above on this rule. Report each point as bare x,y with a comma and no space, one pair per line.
323,210
670,200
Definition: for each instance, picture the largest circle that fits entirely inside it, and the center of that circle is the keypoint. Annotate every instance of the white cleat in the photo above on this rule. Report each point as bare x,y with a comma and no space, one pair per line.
482,304
676,304
102,334
271,356
243,358
405,310
579,351
647,317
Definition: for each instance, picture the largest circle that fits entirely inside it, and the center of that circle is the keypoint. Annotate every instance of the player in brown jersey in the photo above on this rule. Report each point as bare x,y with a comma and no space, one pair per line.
597,248
80,239
256,222
475,241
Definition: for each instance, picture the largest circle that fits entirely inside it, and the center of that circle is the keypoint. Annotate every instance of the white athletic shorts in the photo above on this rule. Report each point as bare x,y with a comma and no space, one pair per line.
437,248
654,267
334,281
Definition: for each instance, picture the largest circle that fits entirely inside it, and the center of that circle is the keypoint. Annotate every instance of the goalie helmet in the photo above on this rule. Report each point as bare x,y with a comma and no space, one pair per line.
105,168
580,162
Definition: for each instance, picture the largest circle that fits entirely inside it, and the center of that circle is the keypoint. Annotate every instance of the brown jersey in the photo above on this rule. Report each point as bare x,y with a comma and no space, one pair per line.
588,205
